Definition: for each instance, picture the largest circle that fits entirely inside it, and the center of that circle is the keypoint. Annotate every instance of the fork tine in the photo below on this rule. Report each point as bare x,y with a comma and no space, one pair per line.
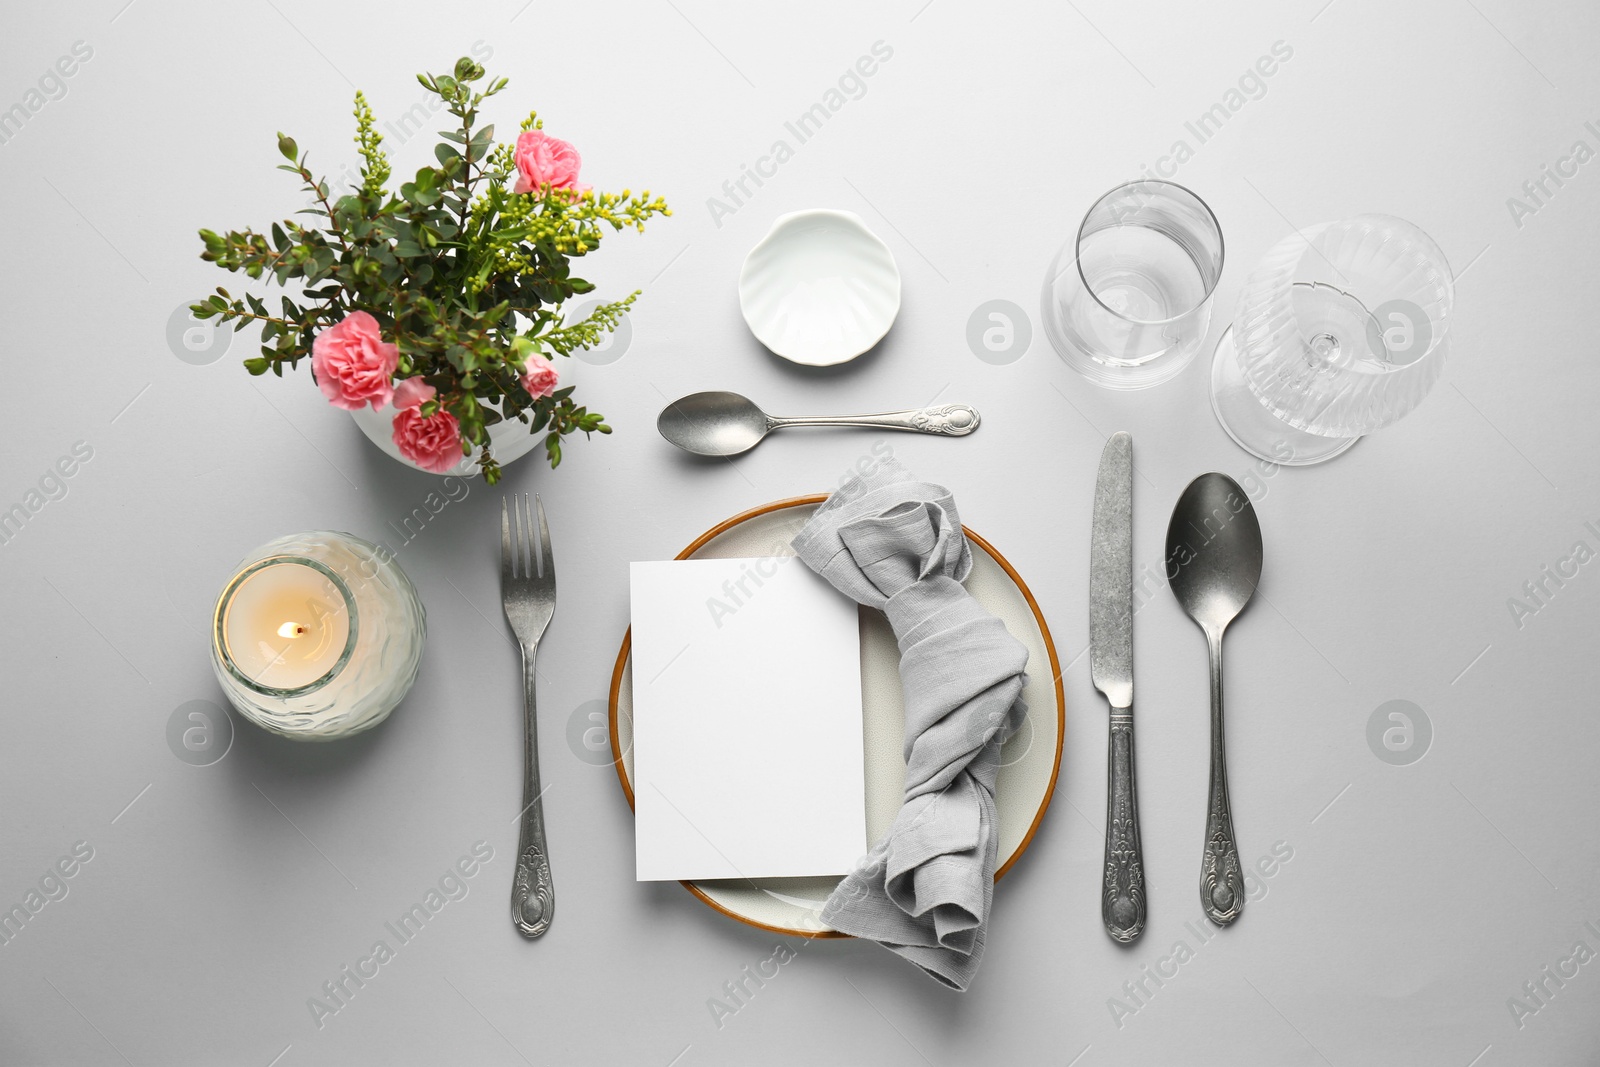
519,539
524,539
547,561
519,542
506,572
519,505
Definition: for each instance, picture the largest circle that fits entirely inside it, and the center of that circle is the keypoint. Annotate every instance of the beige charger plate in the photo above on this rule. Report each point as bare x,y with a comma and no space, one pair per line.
1030,761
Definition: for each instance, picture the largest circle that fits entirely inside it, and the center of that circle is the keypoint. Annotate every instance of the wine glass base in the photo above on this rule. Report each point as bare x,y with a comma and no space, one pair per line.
1254,428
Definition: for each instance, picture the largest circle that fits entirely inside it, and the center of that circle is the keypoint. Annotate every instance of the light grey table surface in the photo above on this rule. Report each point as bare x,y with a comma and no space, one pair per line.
1417,900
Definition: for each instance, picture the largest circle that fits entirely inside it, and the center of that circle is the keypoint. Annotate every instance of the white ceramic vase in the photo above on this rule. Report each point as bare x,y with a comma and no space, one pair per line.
509,441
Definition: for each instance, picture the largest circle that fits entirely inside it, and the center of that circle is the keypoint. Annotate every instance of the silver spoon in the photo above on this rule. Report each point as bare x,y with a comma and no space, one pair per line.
1213,565
726,424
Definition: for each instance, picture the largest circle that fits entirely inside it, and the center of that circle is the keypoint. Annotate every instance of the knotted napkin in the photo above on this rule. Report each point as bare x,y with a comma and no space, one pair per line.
894,543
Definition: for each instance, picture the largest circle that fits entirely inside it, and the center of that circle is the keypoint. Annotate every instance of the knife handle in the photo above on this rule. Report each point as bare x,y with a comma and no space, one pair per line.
1122,904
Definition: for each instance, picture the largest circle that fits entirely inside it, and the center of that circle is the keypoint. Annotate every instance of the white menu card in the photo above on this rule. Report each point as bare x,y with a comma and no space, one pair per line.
747,752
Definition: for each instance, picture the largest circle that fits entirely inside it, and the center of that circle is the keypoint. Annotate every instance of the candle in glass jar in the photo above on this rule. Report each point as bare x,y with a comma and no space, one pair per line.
318,635
286,624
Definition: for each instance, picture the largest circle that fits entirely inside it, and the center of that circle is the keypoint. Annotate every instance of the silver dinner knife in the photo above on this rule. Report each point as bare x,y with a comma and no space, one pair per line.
1122,898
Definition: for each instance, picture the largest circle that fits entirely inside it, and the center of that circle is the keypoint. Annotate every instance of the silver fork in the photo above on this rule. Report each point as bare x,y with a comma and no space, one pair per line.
528,592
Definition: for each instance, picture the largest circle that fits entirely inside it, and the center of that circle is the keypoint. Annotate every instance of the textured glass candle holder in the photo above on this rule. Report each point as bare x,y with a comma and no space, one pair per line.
347,596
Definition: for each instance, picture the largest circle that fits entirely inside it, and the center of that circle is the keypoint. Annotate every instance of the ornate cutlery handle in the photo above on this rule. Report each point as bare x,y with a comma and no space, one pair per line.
1221,879
946,420
533,894
1122,904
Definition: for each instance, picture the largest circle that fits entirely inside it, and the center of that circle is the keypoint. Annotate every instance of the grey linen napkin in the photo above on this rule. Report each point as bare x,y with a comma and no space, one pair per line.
894,543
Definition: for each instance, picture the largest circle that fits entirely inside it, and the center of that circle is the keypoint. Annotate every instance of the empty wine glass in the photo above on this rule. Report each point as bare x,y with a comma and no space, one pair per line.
1127,302
1341,330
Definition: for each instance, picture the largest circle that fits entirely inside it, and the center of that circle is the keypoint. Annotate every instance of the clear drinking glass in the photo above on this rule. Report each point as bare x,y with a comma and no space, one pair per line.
1127,301
1341,330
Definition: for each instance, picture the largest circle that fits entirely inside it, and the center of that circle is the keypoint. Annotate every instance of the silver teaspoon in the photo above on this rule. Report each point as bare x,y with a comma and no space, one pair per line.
726,424
1213,565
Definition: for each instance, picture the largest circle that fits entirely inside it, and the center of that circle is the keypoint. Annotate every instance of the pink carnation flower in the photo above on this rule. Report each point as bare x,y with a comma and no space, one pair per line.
413,392
539,378
544,160
432,443
353,363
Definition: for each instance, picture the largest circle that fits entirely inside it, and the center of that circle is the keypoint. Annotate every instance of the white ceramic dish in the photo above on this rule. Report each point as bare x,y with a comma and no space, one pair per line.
820,288
1030,760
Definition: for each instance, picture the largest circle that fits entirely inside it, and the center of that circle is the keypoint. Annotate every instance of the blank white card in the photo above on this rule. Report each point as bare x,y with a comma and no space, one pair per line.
747,752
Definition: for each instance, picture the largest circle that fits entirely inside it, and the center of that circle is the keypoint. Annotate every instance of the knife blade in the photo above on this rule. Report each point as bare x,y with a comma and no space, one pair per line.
1111,574
1122,898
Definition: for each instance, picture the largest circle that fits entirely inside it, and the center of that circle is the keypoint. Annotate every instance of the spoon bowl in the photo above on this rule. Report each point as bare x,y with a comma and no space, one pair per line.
714,424
1214,551
1213,564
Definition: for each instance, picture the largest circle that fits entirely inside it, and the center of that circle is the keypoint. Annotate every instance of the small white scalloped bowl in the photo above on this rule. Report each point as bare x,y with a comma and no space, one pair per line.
820,288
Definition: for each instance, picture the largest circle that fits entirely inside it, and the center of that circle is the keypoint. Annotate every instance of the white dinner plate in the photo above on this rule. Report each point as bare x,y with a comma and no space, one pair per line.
1029,761
820,288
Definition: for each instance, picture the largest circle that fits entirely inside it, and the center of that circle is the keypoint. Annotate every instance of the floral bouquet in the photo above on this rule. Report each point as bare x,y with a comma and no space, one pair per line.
444,300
